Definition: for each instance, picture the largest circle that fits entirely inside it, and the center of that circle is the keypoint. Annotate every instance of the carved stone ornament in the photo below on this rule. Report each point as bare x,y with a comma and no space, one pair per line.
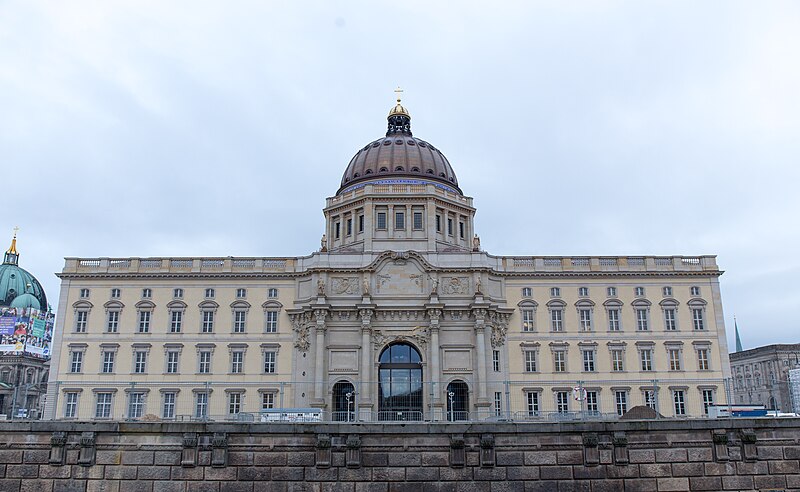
344,285
321,287
419,336
455,285
498,335
400,257
299,326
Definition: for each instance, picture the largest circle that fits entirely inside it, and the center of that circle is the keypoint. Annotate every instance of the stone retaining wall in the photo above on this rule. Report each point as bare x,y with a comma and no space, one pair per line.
746,454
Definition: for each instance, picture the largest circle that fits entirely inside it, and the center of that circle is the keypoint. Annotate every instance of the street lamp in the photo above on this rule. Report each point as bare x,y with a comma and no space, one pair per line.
450,395
348,396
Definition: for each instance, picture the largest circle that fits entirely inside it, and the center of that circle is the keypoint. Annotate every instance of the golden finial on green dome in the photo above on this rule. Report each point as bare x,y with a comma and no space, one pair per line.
398,109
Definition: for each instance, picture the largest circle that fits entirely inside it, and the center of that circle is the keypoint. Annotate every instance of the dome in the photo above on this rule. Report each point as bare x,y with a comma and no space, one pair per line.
26,300
18,282
399,155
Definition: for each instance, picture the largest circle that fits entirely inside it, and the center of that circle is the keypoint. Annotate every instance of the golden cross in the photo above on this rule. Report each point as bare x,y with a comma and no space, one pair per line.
398,91
15,231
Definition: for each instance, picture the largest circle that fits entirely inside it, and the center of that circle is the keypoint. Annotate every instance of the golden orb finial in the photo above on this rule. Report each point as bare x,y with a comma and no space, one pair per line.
398,109
13,249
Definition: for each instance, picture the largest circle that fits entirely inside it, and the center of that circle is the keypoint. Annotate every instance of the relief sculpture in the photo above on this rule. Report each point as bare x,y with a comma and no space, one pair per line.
455,285
344,285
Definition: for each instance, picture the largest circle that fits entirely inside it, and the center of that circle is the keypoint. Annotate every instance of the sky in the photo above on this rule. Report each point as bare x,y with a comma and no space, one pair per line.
196,128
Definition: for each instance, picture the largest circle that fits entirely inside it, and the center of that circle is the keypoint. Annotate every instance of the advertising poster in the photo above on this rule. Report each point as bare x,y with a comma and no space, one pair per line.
25,330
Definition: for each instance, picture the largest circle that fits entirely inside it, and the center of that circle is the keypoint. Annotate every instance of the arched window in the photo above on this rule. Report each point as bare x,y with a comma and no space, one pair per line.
400,383
344,402
457,401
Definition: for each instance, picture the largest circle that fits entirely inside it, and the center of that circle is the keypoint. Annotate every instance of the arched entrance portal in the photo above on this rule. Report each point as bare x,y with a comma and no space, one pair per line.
400,383
344,402
457,401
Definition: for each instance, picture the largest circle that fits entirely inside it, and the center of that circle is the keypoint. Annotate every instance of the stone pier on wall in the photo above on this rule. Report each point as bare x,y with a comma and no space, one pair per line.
668,455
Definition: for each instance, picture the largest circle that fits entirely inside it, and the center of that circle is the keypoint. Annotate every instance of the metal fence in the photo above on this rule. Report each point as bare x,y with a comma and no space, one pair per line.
403,401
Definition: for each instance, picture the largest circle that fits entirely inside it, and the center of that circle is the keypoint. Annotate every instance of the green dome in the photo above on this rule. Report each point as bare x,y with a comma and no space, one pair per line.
26,300
16,282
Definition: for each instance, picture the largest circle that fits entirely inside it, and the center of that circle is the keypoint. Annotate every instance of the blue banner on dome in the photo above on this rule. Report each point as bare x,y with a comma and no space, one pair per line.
26,331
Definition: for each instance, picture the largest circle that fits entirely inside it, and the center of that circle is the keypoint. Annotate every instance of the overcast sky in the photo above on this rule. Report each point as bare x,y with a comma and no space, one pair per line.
580,128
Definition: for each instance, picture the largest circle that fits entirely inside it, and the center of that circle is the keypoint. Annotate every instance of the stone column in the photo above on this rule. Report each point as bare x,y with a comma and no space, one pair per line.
319,363
433,356
366,355
480,345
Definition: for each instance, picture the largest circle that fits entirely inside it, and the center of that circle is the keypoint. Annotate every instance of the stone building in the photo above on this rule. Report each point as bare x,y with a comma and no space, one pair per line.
400,315
24,355
761,375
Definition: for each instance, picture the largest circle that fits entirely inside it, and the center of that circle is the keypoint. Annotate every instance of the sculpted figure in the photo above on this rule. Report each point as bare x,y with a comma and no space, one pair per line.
366,285
476,243
321,287
434,285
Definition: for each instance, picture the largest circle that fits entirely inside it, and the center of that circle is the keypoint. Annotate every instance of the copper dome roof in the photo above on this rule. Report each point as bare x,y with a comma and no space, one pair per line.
399,155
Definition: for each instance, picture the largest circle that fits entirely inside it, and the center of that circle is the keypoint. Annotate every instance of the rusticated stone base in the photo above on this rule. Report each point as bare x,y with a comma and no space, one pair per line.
753,454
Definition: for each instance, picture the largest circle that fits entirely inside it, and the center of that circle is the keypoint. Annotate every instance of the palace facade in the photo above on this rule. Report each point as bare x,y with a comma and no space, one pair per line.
400,315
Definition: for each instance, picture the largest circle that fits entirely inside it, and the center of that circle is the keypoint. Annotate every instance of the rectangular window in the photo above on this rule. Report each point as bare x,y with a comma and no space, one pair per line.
147,293
84,293
267,401
135,405
646,356
113,322
115,293
349,229
176,320
639,291
680,402
399,220
108,361
177,293
556,318
695,291
204,362
172,362
102,408
241,293
361,223
418,221
674,359
583,291
621,399
708,400
272,293
562,401
650,398
667,291
617,360
559,361
611,291
641,319
237,362
555,292
461,230
702,359
381,222
528,319
140,362
496,360
591,403
449,226
200,405
613,320
533,403
588,361
527,292
530,361
234,403
269,362
208,322
81,318
697,318
271,321
70,405
670,323
209,293
498,404
337,228
585,319
76,361
168,405
239,321
144,321
438,223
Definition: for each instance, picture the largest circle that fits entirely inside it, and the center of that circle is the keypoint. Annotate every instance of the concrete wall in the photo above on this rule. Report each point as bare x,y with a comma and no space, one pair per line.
619,456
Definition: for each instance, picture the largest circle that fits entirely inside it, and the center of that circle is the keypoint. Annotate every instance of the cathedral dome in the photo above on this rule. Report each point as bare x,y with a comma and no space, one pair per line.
399,155
18,282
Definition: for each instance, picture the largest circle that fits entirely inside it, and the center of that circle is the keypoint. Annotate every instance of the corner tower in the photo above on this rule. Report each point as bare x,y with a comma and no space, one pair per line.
399,193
